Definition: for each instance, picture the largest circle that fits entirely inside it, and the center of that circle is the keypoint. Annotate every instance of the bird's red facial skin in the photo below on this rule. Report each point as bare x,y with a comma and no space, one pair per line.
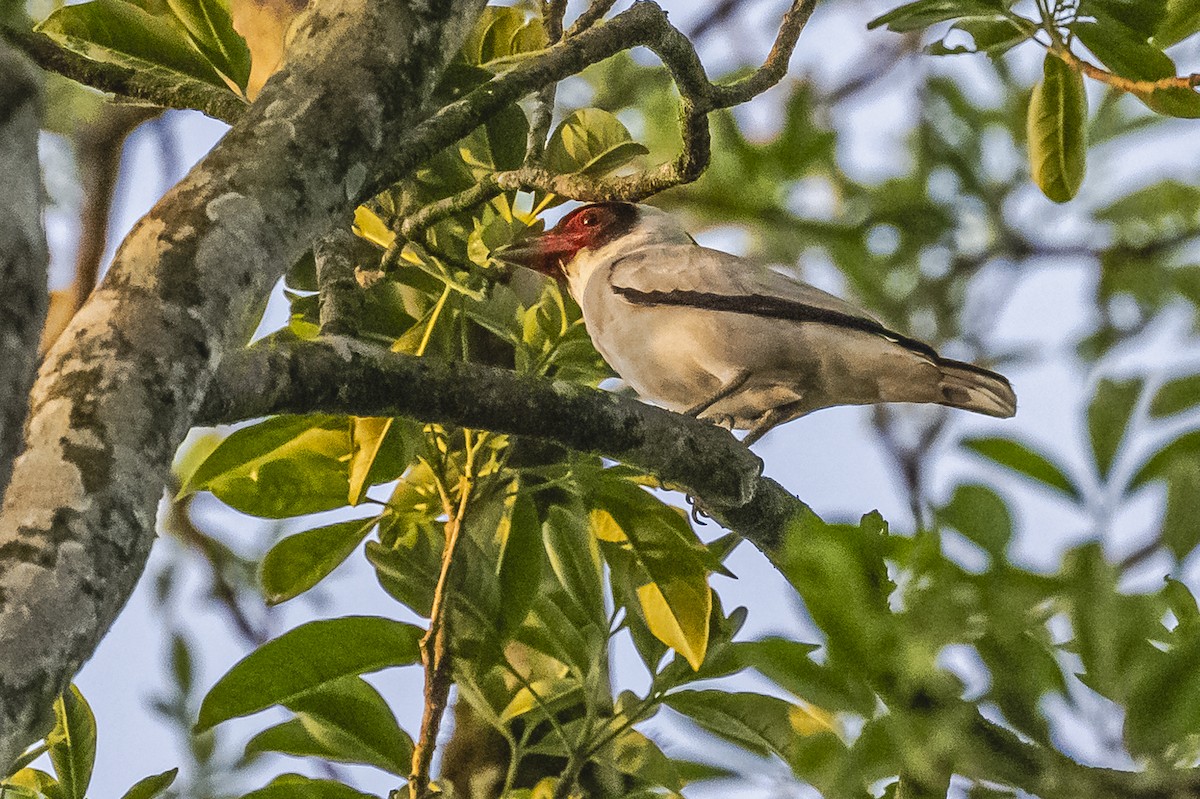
587,227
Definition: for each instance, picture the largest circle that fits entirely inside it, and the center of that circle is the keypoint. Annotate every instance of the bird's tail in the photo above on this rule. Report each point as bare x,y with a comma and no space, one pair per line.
974,388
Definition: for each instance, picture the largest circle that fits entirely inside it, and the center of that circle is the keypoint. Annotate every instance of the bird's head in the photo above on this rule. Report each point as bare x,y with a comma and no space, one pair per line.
587,228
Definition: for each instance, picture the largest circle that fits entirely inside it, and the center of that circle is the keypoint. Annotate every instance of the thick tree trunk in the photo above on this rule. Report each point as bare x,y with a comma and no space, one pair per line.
23,254
119,390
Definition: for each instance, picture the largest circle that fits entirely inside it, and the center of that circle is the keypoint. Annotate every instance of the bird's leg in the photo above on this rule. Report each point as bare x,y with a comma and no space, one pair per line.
765,423
733,385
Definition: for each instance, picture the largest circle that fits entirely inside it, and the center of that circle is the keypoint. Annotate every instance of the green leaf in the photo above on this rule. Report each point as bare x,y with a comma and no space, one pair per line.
382,450
1142,17
522,561
672,566
592,142
1023,459
1166,209
761,724
1108,417
840,572
72,743
501,33
634,754
152,786
575,560
788,663
553,630
297,786
923,13
345,720
994,36
1110,627
1184,448
507,135
210,26
300,561
1181,601
1181,521
1176,396
307,658
31,783
1122,50
980,514
1057,130
286,466
123,33
1181,21
1163,707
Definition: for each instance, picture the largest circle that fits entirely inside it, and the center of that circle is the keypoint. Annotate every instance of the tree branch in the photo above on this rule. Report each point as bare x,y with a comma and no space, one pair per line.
693,456
340,299
1138,87
644,24
23,254
183,93
119,389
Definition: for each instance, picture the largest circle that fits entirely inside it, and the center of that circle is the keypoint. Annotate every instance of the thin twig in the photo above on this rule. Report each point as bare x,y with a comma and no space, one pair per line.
1138,87
590,16
644,24
698,98
434,649
543,108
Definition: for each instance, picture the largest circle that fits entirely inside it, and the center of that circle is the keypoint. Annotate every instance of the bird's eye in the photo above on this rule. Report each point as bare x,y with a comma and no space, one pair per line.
589,219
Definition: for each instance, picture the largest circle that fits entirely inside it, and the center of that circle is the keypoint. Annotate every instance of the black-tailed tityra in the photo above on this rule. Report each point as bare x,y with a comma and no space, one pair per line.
722,338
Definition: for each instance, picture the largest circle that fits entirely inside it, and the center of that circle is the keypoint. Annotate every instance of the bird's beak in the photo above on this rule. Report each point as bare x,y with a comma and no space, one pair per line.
545,253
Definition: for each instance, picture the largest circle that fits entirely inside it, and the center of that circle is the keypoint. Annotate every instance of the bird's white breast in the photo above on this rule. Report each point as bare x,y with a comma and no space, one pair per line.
678,356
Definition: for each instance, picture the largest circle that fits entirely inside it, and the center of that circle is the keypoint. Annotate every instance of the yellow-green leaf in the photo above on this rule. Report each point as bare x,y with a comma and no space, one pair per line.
300,561
1057,130
123,33
72,743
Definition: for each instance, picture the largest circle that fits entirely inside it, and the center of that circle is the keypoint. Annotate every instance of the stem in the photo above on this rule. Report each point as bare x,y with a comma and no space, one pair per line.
435,653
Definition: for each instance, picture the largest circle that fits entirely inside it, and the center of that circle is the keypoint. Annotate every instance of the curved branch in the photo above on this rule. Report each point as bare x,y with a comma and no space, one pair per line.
183,93
119,390
694,456
645,24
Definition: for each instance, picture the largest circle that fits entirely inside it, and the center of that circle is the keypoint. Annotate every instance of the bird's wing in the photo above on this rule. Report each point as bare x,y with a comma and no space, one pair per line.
698,277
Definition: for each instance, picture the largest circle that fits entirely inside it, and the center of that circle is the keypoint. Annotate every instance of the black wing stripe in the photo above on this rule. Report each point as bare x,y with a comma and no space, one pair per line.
780,308
773,308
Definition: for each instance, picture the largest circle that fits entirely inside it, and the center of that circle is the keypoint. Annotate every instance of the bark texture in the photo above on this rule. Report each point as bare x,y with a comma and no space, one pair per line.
700,458
120,388
23,254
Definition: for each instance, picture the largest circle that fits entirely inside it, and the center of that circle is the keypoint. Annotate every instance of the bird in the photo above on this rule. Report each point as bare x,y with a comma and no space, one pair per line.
732,341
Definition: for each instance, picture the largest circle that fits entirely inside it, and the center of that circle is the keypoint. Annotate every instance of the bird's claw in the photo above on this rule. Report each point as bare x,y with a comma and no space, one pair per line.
697,512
